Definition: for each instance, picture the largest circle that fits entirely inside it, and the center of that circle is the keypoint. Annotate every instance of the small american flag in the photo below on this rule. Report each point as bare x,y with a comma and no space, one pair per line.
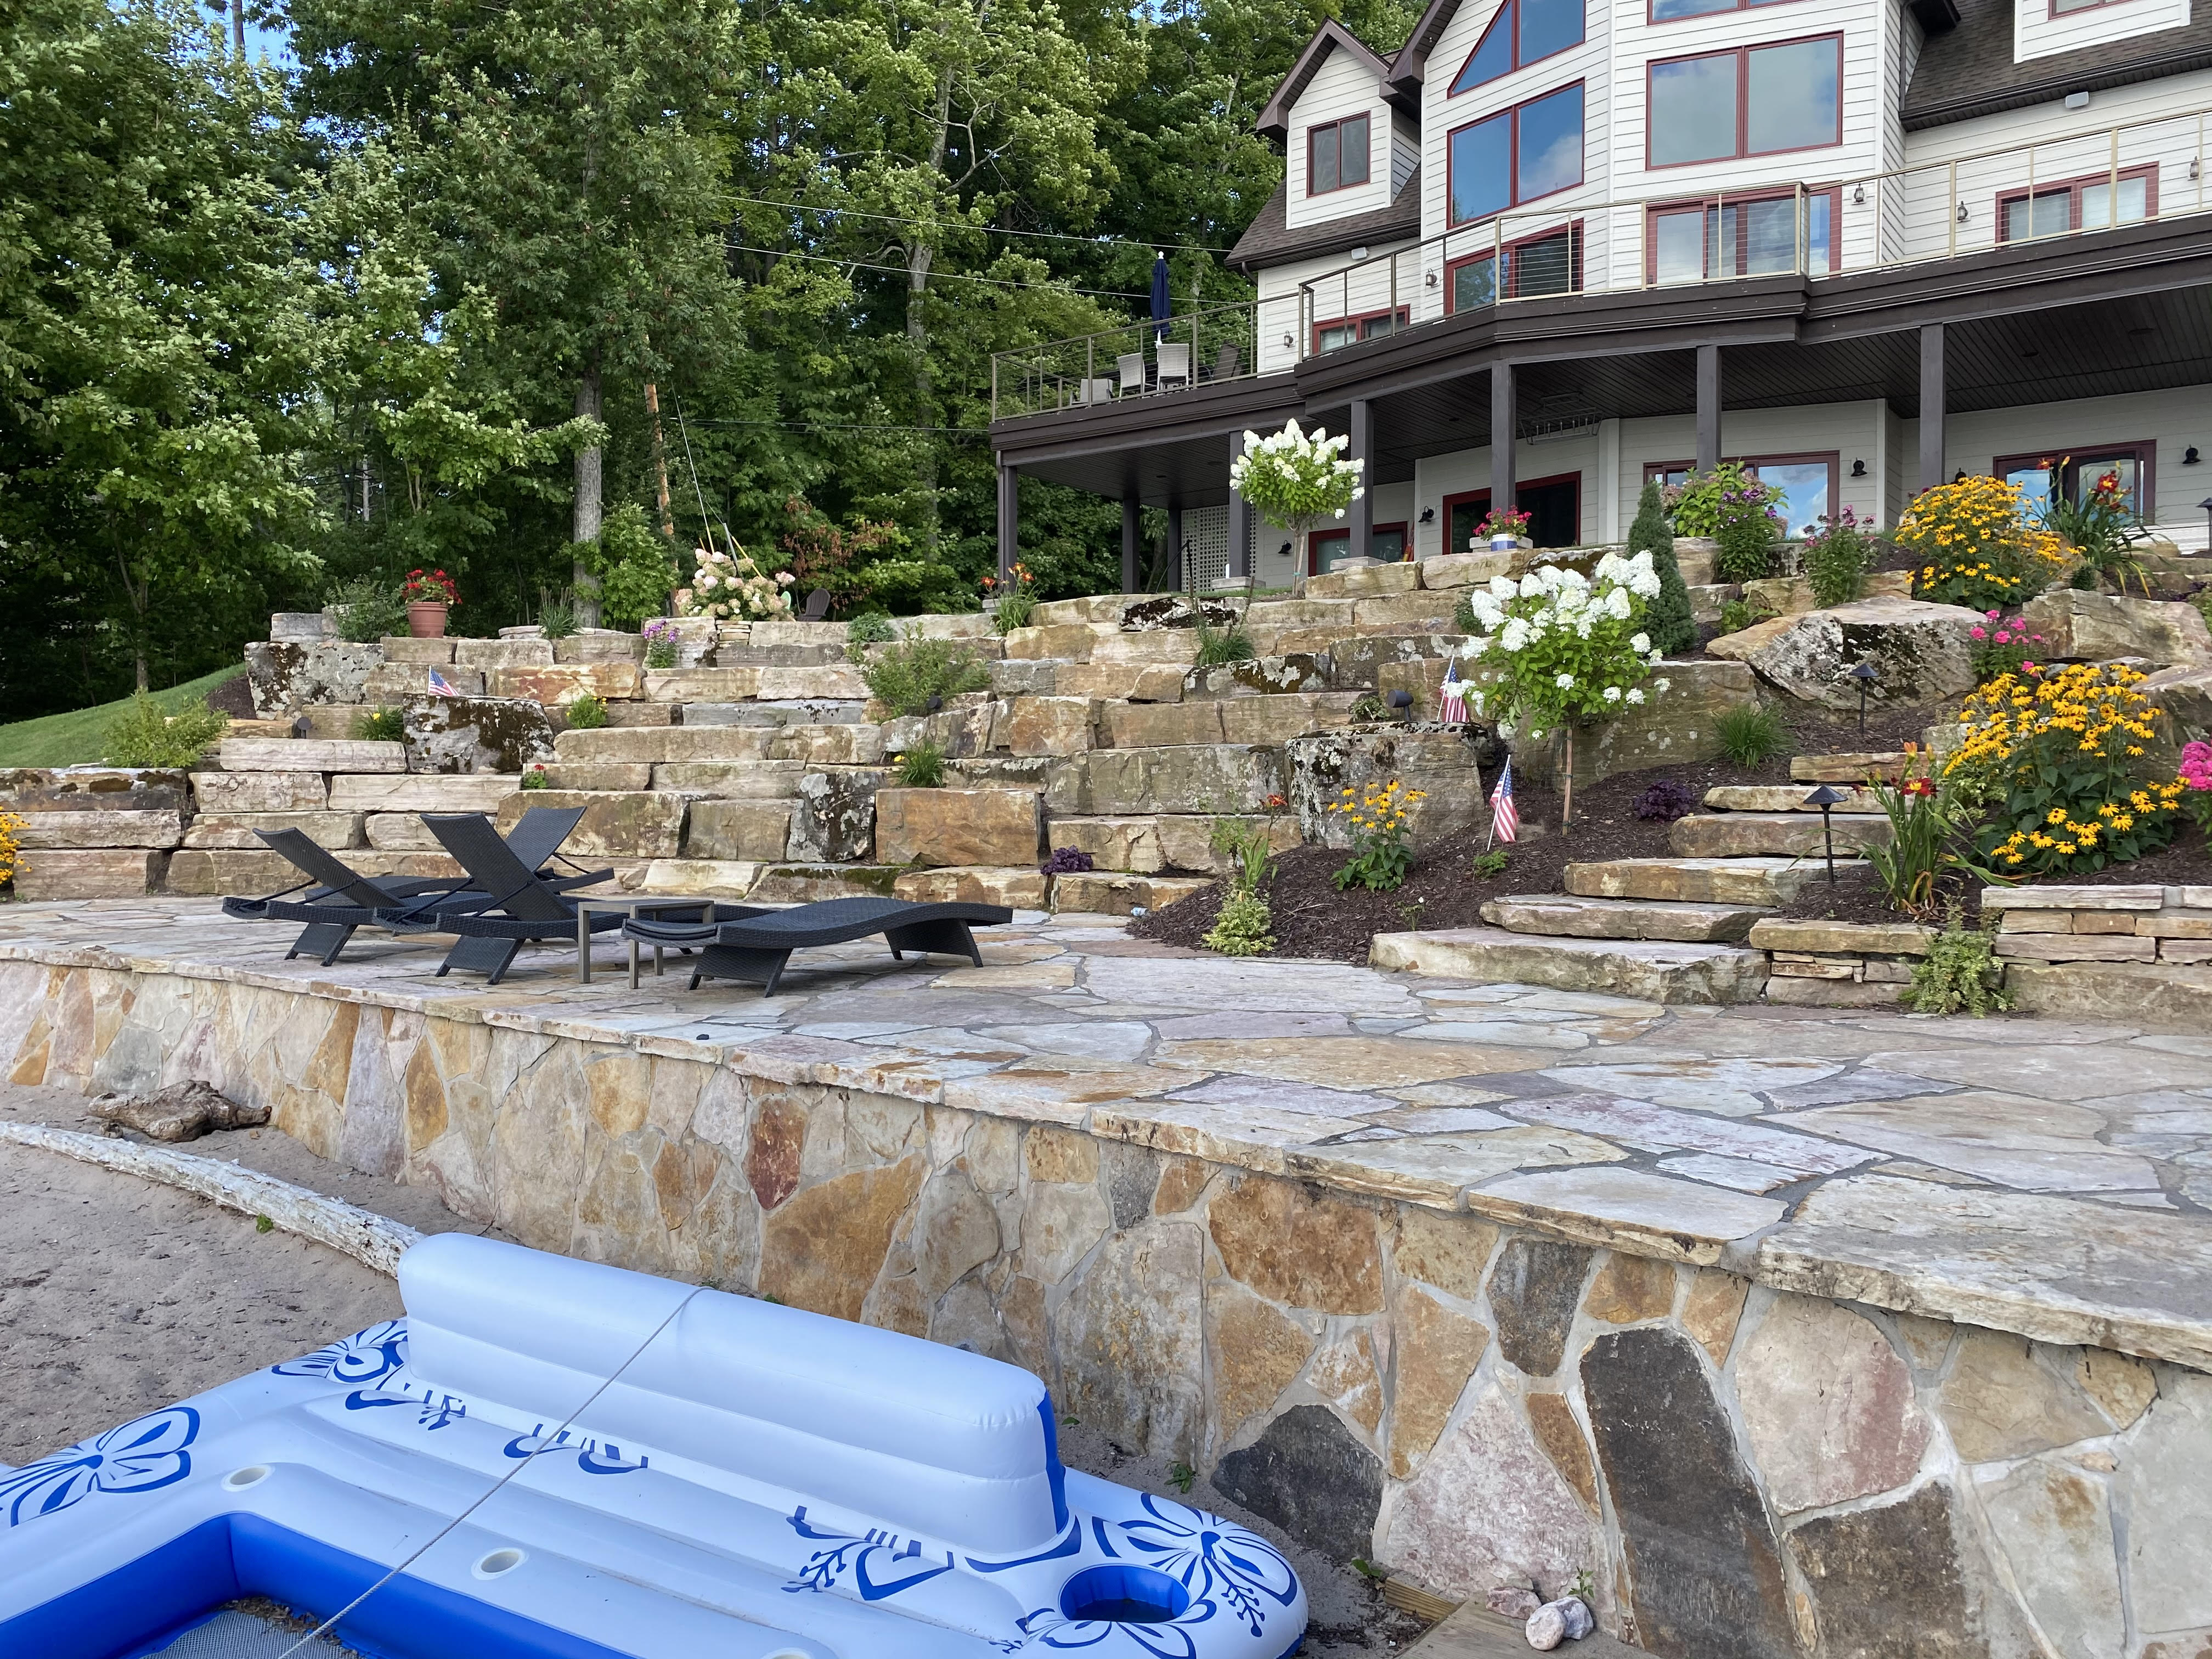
1452,707
1504,818
442,687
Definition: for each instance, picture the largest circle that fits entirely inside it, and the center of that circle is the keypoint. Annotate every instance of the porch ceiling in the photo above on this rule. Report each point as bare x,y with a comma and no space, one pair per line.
2144,343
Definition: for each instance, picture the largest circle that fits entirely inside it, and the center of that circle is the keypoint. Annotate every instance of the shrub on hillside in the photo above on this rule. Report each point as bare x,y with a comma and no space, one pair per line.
905,675
142,735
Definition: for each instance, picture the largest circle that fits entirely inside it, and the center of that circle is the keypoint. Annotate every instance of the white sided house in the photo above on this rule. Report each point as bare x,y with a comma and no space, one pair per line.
1860,246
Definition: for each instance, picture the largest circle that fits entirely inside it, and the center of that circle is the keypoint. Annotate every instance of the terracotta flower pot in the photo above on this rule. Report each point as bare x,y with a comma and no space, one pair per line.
426,621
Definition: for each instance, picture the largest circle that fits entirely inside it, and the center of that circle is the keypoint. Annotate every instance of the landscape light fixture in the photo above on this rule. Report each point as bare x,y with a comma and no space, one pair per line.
1865,674
1401,699
936,703
1825,798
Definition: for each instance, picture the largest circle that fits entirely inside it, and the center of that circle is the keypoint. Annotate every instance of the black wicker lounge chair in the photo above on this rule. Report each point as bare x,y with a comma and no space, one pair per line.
340,899
754,948
511,904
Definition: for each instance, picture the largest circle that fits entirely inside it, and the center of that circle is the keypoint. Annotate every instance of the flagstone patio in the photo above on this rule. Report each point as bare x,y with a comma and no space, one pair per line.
2052,1179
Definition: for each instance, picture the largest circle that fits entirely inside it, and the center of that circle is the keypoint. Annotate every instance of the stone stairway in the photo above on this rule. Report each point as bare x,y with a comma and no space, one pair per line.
1670,929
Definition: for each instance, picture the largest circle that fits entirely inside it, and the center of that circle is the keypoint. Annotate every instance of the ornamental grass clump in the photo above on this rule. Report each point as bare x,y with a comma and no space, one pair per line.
2063,759
1563,649
1975,546
1381,835
921,766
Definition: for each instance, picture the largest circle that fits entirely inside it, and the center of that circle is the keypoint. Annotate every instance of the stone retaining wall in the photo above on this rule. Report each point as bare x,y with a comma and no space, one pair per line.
1743,1472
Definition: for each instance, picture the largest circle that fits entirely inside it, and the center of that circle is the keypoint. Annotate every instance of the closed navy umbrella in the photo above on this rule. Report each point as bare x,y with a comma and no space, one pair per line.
1160,303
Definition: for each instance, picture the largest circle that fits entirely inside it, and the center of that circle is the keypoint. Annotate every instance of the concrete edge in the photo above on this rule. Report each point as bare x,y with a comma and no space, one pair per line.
373,1240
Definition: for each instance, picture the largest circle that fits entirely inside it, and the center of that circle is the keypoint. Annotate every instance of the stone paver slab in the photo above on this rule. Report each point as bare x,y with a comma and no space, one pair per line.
1663,1129
1732,1087
2049,1072
2033,1144
1645,1214
2052,1268
1342,1062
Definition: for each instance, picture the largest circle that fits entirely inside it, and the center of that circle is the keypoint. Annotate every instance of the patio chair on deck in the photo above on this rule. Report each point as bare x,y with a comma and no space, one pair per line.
1175,364
1227,363
341,899
1130,366
754,948
514,906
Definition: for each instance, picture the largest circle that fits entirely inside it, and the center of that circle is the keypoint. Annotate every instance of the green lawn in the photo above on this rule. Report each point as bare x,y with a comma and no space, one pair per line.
74,738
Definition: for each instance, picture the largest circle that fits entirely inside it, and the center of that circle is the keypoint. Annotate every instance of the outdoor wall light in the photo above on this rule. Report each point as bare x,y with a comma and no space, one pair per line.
1858,195
1429,513
2189,457
1858,469
1432,279
1962,213
1289,341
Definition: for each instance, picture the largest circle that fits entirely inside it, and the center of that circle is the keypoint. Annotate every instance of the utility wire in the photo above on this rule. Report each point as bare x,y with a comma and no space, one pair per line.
942,275
545,1443
988,230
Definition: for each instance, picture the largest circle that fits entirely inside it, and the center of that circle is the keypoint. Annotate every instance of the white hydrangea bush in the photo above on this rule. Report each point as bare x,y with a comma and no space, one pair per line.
1297,480
1561,646
733,589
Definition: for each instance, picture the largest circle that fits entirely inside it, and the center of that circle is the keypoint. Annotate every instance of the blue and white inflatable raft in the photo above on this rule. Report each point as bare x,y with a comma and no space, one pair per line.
759,1483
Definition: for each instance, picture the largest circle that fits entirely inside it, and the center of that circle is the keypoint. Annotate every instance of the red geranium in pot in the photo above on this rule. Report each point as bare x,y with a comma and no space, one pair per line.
429,596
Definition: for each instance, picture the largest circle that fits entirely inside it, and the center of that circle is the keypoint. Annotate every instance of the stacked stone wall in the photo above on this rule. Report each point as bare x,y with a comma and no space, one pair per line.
1742,1471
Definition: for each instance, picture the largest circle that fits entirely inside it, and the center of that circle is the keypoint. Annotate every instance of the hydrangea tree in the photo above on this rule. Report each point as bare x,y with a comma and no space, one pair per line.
1295,480
1563,649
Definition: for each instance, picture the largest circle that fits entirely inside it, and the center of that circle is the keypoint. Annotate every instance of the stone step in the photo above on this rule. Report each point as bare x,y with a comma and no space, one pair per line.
1775,834
1021,887
88,829
788,711
211,831
1854,768
1145,843
645,825
308,755
1784,797
1565,917
1260,719
1654,970
97,872
821,745
423,792
1699,881
1111,893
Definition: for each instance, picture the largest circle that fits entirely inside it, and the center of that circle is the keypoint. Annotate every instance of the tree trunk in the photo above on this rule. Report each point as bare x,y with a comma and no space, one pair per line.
135,592
660,462
918,259
590,464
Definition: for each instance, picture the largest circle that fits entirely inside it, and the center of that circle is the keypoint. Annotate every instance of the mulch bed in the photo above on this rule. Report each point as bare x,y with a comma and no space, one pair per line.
1312,919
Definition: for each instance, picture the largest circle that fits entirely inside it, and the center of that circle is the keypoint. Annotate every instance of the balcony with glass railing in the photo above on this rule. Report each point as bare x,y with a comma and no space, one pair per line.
1943,208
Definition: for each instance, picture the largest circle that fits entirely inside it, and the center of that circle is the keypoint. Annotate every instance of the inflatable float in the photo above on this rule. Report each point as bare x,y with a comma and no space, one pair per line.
756,1482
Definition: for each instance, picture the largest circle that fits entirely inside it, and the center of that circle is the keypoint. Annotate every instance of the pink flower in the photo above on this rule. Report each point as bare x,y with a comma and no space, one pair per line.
1991,615
1978,633
2028,667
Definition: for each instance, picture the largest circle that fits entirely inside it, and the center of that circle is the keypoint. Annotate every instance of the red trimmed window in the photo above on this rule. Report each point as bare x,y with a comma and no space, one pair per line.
1551,263
1524,31
1554,507
2084,203
1346,330
1750,101
1666,11
1534,149
1740,236
2075,472
1807,484
1336,156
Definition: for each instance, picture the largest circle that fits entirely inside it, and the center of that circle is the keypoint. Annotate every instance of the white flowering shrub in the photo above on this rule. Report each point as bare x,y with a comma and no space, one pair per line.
1563,647
733,589
1295,480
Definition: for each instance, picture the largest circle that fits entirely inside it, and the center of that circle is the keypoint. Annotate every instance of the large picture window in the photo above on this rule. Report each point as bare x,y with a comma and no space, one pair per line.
1554,505
1807,484
1753,100
2043,478
1327,548
1712,240
1336,156
1523,32
1664,11
1517,156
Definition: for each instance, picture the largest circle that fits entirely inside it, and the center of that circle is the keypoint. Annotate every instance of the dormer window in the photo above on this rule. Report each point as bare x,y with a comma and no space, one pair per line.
1523,32
1336,156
